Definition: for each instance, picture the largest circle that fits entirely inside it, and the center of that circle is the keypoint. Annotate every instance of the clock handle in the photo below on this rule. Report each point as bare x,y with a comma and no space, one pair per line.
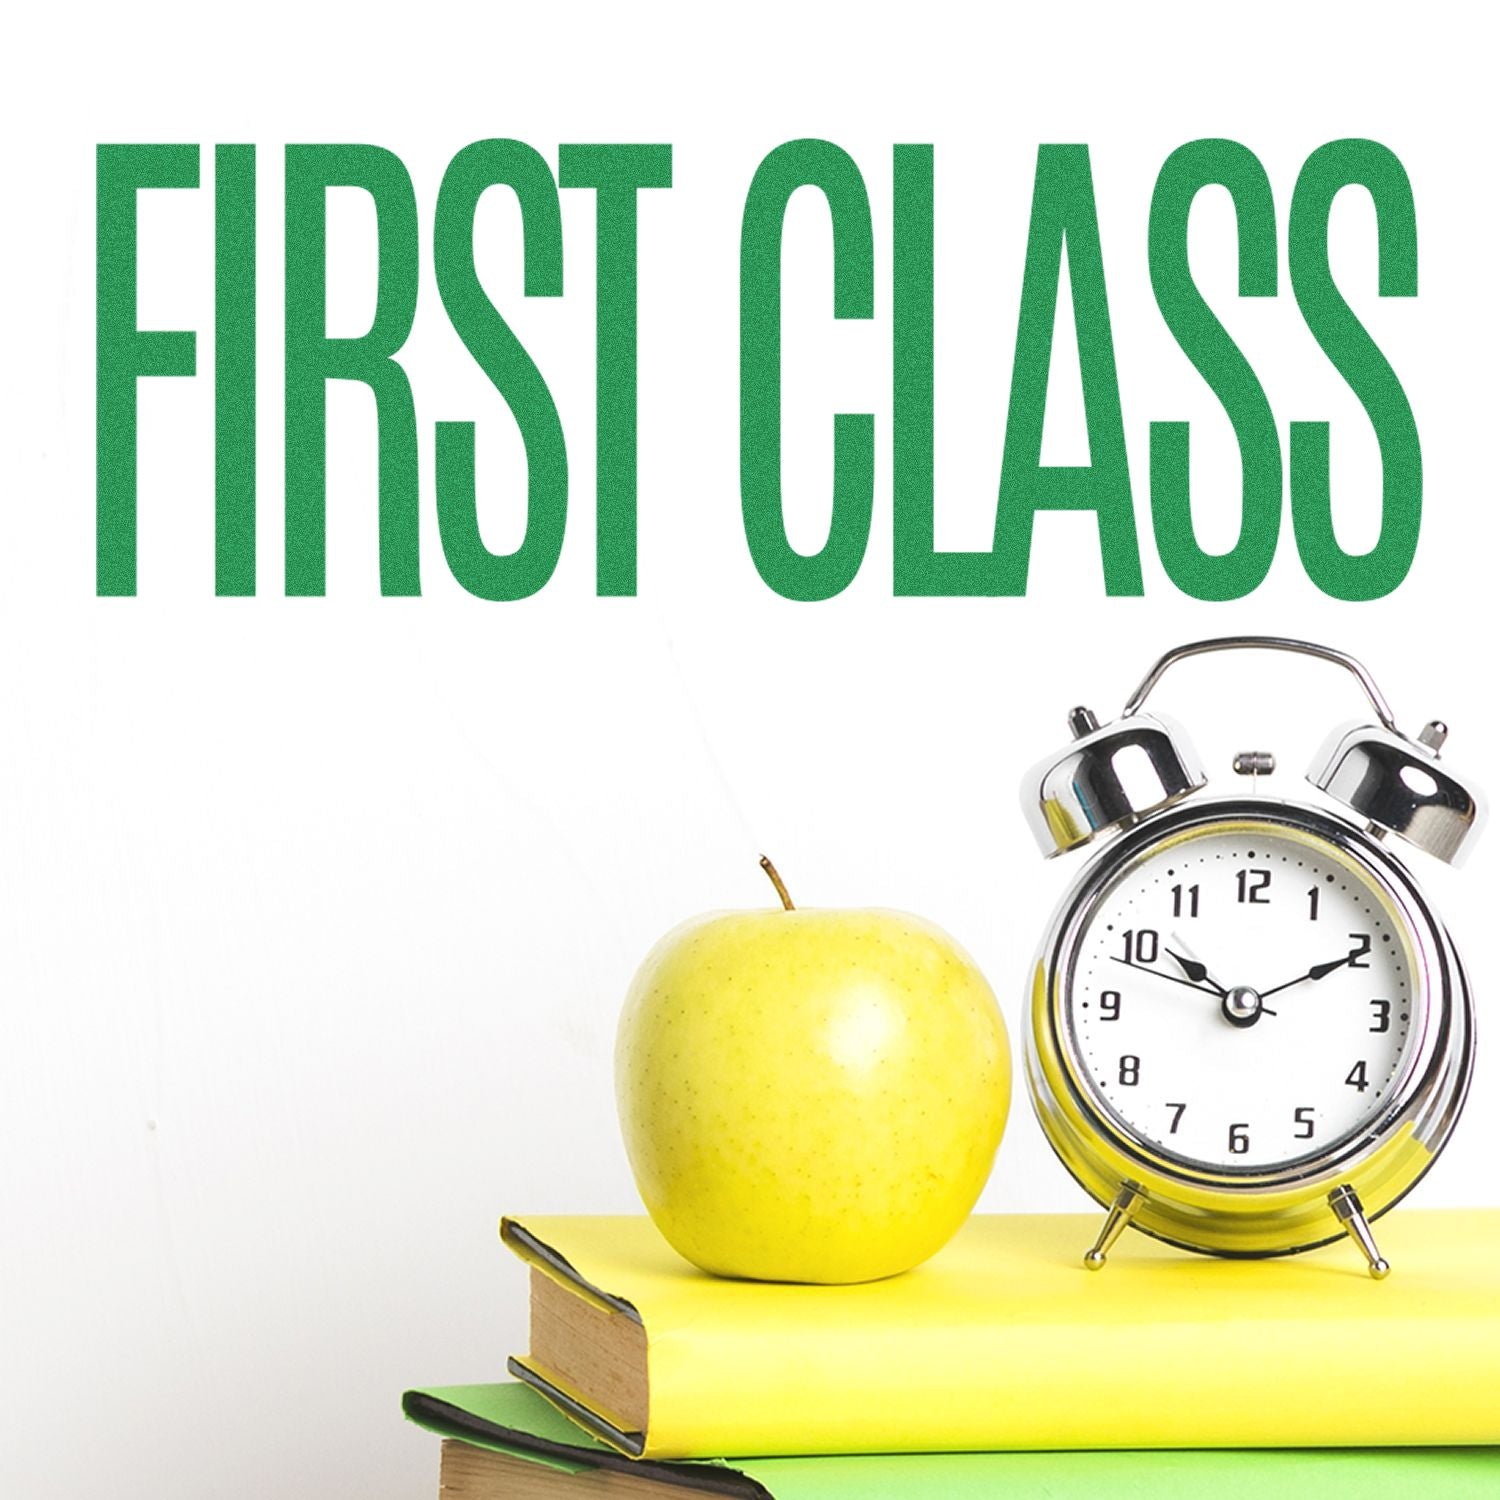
1264,643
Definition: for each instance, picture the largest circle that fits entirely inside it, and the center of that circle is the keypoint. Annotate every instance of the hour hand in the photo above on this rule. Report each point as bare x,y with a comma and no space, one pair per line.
1195,971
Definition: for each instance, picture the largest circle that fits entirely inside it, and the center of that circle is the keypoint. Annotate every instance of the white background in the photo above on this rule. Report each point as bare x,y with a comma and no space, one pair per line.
315,915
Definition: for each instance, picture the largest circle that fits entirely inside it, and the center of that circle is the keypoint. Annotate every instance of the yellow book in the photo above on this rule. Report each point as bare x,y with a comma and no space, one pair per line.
504,1442
1004,1341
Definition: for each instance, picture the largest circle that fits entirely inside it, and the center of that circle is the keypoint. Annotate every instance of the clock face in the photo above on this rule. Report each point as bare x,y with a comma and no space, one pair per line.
1243,995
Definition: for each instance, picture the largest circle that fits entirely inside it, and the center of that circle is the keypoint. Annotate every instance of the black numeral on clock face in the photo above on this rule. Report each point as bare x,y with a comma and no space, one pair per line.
1382,1015
1109,1005
1184,899
1312,904
1239,1138
1142,945
1253,885
1177,1110
1358,1079
1303,1117
1130,1069
1357,959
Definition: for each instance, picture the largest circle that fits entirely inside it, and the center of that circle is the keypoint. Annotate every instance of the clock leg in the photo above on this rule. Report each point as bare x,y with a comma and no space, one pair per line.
1344,1202
1120,1213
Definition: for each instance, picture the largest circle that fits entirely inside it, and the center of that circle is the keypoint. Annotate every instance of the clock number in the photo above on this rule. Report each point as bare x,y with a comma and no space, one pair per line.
1312,904
1304,1120
1184,898
1177,1110
1357,958
1357,1078
1130,1069
1383,1016
1141,945
1239,1138
1109,1005
1253,884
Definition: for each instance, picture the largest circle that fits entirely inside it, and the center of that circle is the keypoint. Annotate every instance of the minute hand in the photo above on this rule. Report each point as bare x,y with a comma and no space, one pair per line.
1318,971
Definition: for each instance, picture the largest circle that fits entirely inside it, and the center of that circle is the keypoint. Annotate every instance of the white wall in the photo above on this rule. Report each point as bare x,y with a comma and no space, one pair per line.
315,915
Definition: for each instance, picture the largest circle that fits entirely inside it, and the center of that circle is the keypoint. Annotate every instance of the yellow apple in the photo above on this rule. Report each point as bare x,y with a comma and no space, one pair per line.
810,1095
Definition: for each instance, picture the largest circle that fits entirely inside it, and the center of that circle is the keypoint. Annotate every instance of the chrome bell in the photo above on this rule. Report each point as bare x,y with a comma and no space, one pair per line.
1401,785
1108,778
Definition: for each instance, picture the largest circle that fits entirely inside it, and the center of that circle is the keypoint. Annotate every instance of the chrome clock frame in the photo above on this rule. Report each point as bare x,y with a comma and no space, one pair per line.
1299,1204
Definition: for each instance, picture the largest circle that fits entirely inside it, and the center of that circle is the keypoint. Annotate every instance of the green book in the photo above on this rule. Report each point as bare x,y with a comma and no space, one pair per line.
506,1442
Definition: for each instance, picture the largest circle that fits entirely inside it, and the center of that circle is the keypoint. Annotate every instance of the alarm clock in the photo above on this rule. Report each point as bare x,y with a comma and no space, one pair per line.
1250,1033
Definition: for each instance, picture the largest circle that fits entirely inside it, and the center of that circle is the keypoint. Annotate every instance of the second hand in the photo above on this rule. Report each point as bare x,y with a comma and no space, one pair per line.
1202,989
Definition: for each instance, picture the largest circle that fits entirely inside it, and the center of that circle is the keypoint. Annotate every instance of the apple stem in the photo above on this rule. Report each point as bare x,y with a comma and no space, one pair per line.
776,880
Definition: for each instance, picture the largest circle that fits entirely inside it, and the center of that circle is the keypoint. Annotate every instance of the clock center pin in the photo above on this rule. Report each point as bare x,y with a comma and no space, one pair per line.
1241,1006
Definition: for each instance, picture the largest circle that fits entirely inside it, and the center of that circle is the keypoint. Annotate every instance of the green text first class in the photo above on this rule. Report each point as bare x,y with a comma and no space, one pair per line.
1062,217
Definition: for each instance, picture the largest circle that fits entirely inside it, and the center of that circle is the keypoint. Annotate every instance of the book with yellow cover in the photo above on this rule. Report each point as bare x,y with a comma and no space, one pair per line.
1003,1341
503,1442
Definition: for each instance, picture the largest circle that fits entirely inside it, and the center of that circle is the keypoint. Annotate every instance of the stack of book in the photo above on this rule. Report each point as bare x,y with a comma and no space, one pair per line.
1000,1367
